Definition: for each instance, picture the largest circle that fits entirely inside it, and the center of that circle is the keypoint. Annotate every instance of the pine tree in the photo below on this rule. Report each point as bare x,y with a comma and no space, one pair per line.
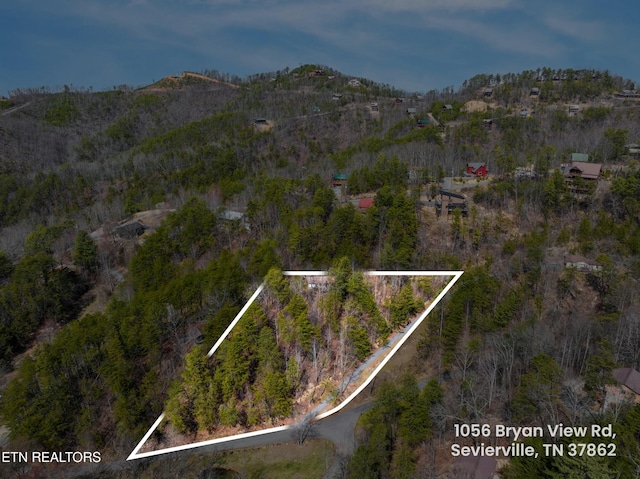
403,306
85,253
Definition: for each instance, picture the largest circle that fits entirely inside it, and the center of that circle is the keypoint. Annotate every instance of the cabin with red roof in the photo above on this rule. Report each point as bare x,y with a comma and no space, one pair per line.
477,169
365,203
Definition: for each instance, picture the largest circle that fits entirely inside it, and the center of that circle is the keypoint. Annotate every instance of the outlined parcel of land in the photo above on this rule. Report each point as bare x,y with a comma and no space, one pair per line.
324,339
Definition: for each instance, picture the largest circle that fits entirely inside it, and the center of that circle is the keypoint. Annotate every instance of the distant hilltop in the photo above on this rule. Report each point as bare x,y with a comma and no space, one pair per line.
185,79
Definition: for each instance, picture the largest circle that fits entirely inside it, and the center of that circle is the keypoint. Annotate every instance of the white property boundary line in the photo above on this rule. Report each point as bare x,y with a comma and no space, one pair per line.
456,275
135,454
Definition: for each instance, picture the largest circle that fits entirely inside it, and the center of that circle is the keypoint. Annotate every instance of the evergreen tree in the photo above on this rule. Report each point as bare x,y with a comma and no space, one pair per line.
538,391
599,367
403,306
188,407
85,253
6,267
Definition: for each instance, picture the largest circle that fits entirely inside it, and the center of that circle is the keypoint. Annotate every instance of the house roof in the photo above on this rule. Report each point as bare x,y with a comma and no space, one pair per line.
629,93
572,258
129,230
231,215
581,262
628,377
365,203
340,176
475,166
579,157
586,170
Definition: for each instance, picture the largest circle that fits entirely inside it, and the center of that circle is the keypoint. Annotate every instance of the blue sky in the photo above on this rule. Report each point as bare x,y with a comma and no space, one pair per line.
417,45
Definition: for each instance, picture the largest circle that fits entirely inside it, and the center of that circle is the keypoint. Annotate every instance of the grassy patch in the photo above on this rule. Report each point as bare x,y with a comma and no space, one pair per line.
283,461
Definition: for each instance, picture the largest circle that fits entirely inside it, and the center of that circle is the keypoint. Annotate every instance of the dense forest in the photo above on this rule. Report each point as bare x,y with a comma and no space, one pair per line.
135,224
296,346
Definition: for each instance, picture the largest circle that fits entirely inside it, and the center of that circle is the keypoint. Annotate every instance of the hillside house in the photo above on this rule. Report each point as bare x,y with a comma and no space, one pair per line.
452,201
628,94
237,216
339,179
337,97
365,203
354,83
374,107
629,378
584,157
488,92
488,123
474,467
421,122
524,113
574,109
259,121
535,91
632,149
411,111
581,169
477,170
447,107
129,230
525,173
317,73
581,263
627,390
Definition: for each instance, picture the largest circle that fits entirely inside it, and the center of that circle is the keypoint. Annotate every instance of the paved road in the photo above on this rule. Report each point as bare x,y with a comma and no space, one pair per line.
340,427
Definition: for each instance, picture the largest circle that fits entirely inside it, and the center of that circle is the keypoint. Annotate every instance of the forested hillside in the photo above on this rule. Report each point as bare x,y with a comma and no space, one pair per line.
134,225
295,350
